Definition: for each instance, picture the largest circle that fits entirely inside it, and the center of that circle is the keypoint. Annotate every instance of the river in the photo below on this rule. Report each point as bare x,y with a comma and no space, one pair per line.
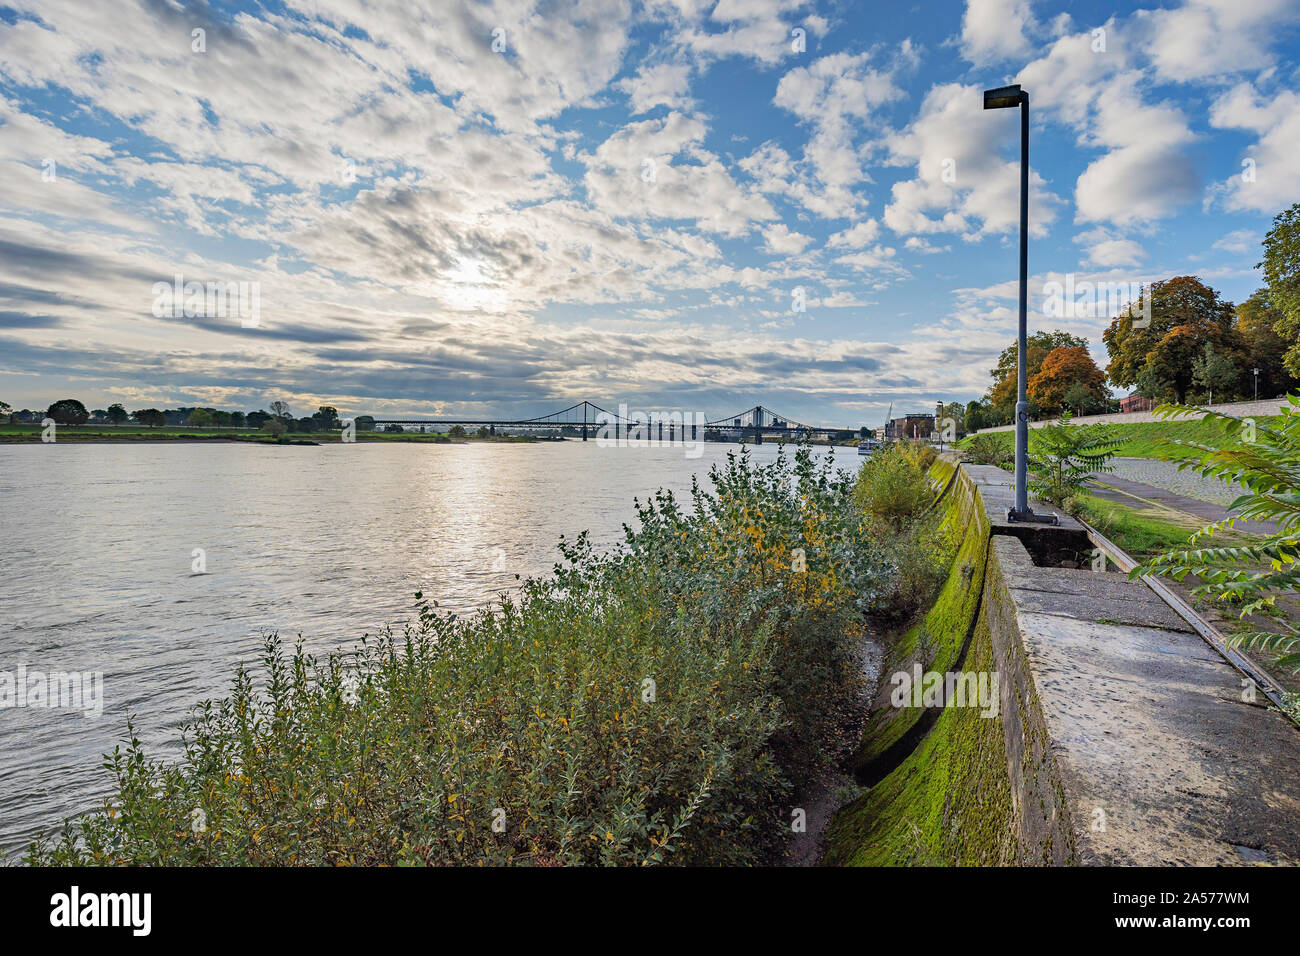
101,543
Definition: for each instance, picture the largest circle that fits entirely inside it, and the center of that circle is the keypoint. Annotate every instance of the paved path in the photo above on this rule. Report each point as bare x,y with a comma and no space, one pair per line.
1219,494
1165,474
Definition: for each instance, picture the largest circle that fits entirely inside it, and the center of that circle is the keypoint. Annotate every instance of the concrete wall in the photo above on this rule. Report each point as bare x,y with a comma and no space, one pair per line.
1260,409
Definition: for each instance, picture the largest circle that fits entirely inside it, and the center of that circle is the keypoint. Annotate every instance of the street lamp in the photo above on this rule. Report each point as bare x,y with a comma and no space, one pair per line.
1256,371
1006,97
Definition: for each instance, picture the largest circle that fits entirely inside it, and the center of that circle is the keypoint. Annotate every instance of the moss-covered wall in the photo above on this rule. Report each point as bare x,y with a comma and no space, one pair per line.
947,785
936,641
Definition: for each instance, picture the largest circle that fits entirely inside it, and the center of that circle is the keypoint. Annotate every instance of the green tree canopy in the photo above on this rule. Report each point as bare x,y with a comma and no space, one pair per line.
68,411
1185,315
1281,267
1258,321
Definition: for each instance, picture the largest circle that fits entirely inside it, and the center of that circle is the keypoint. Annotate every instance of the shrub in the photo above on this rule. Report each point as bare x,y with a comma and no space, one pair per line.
1265,460
892,486
649,705
990,450
1062,457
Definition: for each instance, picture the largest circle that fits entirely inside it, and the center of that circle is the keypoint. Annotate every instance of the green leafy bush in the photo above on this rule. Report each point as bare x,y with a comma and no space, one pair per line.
1265,460
650,705
989,450
892,485
1062,457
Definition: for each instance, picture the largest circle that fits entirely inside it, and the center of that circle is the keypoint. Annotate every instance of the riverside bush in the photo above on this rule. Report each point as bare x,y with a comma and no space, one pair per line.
655,704
892,486
894,492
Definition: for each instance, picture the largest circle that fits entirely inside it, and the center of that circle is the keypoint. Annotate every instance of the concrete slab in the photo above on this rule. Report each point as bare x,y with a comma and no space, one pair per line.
1161,759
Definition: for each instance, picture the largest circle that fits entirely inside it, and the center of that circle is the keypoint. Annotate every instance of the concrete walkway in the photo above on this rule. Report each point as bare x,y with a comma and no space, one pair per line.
1131,493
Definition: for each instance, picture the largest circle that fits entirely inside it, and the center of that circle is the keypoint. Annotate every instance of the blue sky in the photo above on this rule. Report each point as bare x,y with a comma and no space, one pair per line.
504,208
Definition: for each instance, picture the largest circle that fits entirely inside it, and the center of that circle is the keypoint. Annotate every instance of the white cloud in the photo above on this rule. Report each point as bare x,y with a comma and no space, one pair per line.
778,240
1210,38
1238,241
1264,179
963,184
994,30
858,236
665,84
1146,171
658,169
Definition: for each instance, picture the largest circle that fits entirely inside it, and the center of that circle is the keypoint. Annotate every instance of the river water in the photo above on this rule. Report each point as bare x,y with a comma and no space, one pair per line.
101,542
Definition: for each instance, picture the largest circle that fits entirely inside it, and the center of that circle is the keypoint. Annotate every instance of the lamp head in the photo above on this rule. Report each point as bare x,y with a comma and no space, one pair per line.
1003,97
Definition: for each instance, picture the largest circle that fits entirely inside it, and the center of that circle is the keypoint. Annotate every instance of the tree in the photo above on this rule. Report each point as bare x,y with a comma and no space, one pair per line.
457,431
237,420
327,417
1068,377
1000,402
957,412
257,419
274,427
1264,348
117,414
305,425
281,410
1281,267
199,418
1185,314
5,410
1216,372
150,417
977,417
1062,457
68,411
365,423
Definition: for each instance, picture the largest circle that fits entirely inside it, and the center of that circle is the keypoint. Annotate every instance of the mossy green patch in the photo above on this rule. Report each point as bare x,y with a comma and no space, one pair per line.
947,804
937,639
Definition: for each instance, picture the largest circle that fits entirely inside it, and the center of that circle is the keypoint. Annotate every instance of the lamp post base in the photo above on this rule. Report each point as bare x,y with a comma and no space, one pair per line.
1029,517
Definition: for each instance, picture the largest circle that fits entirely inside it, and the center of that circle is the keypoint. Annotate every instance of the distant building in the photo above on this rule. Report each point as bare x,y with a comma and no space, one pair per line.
910,426
1136,403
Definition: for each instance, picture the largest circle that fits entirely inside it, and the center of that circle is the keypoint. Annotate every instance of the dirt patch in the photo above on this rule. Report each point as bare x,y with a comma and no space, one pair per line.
822,797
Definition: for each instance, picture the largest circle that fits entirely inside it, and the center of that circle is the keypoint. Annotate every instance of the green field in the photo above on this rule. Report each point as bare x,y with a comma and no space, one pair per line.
1141,439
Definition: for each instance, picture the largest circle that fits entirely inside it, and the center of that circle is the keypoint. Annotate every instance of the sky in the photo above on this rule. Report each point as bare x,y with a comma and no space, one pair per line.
500,209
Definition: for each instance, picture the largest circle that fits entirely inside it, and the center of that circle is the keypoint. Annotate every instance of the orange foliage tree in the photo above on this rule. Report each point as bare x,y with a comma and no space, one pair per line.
1068,376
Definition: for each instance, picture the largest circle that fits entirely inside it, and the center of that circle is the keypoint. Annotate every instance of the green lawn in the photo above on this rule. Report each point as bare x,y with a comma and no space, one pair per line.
1142,531
1141,439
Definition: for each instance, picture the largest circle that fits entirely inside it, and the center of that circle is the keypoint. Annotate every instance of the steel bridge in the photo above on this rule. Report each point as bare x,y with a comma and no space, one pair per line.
753,424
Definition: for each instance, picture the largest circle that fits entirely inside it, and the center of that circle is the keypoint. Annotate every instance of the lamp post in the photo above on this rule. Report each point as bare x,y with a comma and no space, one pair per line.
1256,371
1006,97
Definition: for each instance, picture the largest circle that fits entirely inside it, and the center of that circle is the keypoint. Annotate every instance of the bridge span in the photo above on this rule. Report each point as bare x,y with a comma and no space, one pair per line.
753,423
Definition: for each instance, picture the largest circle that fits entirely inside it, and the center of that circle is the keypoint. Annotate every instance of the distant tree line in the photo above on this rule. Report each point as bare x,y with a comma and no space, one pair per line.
279,420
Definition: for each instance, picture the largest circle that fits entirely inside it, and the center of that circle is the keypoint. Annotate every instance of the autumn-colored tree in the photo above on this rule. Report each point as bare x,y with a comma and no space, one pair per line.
1185,315
1000,403
1062,371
